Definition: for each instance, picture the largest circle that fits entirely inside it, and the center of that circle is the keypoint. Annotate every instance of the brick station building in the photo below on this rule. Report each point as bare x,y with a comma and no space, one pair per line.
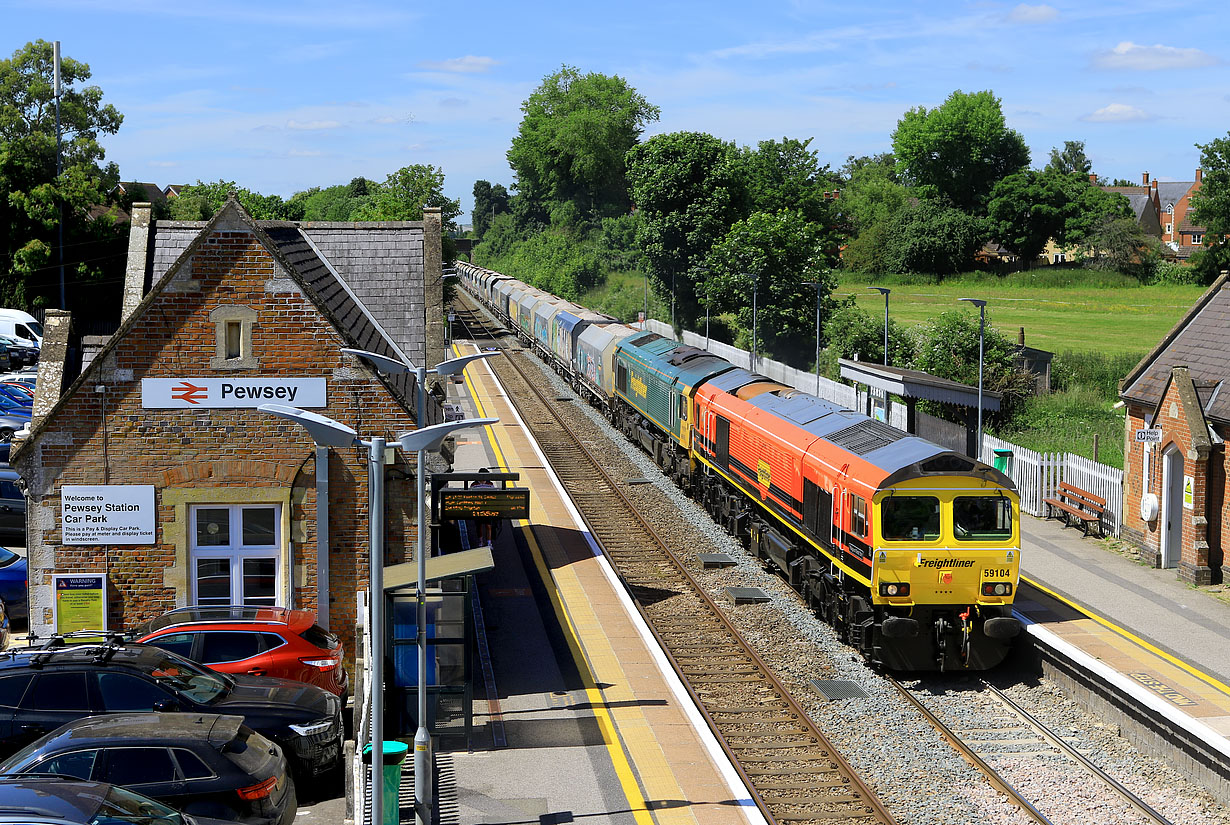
1175,489
220,317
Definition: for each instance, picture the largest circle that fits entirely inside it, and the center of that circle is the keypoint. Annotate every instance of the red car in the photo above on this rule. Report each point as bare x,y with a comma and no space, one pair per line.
259,641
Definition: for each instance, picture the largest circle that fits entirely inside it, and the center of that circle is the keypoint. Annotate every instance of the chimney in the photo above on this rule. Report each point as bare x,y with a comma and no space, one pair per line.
1199,175
1144,179
1093,178
1155,186
138,252
1020,339
56,326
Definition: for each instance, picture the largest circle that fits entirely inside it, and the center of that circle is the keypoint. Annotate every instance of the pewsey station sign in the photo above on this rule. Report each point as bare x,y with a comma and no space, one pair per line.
230,393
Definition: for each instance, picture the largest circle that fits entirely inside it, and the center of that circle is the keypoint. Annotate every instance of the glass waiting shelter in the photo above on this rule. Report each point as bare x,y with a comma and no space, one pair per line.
450,629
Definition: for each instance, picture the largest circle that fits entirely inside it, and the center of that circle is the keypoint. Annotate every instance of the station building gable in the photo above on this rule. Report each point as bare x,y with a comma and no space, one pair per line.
1175,502
245,507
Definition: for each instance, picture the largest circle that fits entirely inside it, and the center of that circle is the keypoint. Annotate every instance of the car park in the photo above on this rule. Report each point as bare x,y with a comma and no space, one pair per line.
18,393
45,687
259,641
21,353
54,800
13,575
12,506
204,764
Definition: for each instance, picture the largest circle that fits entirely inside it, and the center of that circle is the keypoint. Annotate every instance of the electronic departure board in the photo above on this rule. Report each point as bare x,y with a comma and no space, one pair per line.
484,502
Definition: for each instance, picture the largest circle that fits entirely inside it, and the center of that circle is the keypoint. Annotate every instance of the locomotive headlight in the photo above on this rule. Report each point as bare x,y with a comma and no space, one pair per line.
996,589
895,589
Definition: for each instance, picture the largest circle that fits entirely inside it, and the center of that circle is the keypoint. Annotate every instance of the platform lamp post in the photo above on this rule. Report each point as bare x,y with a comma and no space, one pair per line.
755,317
883,290
817,285
982,323
420,441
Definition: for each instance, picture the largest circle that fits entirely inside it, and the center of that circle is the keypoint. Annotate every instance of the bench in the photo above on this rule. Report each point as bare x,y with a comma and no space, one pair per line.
1076,507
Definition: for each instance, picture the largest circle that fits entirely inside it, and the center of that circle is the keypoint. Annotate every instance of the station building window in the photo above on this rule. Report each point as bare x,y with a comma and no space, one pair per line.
235,554
233,330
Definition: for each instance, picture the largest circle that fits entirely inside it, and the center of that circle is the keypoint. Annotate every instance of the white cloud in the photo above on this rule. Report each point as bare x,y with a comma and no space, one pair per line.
312,125
1118,113
1033,14
459,65
1129,55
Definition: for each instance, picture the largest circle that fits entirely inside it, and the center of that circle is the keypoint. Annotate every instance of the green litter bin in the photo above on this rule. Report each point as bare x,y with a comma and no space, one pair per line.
394,754
1003,461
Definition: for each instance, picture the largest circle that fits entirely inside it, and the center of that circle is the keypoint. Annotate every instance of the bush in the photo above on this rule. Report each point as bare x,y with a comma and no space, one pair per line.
1097,372
1209,263
928,236
1175,274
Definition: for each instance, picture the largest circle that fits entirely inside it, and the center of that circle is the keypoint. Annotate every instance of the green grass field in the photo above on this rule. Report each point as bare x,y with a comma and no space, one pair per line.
1084,312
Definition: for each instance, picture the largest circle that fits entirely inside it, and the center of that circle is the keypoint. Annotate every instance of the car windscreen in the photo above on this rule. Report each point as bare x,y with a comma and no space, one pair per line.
7,557
190,679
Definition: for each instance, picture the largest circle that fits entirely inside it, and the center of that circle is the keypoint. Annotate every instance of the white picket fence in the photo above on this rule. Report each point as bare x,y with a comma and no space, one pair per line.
1038,475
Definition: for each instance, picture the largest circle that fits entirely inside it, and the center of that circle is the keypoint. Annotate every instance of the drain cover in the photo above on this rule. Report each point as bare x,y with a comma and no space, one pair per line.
710,560
834,689
747,595
638,481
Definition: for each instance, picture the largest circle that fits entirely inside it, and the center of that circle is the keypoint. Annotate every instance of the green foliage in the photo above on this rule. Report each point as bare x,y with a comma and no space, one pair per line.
572,142
689,189
1173,272
1026,210
1210,262
498,241
1211,202
960,149
332,203
488,201
200,201
852,333
873,193
617,243
405,193
927,236
1090,208
947,347
788,175
623,295
1066,422
34,196
1099,372
775,255
554,260
1071,160
866,252
1120,245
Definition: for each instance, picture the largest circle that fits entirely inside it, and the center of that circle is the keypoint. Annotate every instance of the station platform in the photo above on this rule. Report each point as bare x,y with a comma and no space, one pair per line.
589,723
1139,630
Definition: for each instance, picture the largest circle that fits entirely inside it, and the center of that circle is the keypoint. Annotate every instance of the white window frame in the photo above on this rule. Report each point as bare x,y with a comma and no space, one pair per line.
1170,229
235,551
1197,238
1170,209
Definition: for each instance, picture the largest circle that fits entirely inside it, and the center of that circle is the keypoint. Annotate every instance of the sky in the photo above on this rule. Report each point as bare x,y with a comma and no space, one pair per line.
282,96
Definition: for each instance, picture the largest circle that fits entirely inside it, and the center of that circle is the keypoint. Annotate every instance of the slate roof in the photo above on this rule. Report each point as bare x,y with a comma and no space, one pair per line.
153,192
1201,342
1173,191
1187,226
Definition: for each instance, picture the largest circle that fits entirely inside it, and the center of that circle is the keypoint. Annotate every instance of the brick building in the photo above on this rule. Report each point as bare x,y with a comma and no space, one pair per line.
218,318
1175,490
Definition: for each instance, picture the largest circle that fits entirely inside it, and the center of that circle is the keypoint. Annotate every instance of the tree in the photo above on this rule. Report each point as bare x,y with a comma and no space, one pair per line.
1071,160
34,196
788,175
405,193
1211,202
947,347
872,194
1089,207
488,202
689,189
199,202
1026,210
927,236
778,253
855,334
959,150
1120,245
332,203
572,142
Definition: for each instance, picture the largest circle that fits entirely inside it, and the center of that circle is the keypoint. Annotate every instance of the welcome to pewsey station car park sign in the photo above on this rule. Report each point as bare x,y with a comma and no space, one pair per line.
231,393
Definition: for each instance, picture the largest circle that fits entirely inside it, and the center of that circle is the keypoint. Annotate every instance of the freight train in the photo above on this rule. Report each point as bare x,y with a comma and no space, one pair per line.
910,550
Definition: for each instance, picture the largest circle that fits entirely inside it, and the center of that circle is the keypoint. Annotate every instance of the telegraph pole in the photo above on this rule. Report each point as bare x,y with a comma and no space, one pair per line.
55,51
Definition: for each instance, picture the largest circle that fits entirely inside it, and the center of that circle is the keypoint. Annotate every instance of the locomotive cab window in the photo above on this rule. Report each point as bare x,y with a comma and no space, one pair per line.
910,518
981,518
858,516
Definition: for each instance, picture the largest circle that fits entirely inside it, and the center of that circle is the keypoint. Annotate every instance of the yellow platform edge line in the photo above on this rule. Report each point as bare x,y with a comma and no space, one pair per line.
610,736
1132,637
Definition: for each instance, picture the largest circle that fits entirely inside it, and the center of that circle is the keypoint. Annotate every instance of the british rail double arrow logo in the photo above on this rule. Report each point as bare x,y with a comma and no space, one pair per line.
189,392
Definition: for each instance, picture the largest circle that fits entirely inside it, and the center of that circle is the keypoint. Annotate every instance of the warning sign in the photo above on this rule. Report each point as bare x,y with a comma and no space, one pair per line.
1189,493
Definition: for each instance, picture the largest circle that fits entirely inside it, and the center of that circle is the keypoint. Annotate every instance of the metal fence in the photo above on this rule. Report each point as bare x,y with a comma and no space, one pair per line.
1038,475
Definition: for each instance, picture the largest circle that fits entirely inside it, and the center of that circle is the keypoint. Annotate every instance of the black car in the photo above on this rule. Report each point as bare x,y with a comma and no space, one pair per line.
44,688
53,800
199,763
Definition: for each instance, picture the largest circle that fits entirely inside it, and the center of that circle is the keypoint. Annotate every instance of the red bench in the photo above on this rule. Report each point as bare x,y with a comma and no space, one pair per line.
1077,507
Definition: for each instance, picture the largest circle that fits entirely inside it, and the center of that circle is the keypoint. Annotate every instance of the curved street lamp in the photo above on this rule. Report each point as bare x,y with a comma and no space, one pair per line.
982,322
883,290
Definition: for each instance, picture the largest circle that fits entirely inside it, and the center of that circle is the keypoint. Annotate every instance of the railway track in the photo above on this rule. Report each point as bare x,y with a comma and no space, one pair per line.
794,773
1022,758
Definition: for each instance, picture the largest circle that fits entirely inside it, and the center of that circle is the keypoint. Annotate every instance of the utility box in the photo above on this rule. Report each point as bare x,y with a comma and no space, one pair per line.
1003,461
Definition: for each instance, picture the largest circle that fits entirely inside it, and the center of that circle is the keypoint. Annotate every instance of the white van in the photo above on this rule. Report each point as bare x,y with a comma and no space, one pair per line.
17,324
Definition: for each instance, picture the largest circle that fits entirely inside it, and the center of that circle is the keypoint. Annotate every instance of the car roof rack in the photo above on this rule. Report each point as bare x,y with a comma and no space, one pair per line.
112,642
